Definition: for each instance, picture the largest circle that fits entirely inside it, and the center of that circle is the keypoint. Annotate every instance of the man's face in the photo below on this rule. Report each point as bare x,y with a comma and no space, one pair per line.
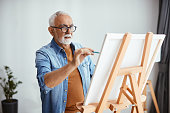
60,36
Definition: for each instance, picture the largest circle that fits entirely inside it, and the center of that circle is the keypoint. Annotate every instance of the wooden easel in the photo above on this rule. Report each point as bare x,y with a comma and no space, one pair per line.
149,83
127,96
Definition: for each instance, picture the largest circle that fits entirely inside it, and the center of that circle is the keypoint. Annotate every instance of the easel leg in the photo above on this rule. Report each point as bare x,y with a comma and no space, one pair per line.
133,109
135,89
121,96
153,96
145,93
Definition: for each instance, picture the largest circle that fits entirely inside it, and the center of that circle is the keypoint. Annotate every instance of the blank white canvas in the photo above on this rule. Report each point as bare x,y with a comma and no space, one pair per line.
106,60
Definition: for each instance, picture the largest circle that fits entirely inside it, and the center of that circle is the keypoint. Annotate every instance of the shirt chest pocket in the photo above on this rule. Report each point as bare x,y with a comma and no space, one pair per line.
85,68
85,64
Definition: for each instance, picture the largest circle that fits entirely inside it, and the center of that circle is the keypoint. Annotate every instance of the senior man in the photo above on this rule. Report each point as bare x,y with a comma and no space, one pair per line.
64,68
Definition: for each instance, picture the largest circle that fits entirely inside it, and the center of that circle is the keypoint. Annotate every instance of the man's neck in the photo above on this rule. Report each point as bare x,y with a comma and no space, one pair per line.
66,46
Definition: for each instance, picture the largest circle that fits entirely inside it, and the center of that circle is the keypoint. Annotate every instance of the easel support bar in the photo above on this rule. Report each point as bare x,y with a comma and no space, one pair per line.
129,70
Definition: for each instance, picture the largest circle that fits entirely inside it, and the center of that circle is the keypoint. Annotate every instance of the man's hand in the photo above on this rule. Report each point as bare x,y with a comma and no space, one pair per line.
80,54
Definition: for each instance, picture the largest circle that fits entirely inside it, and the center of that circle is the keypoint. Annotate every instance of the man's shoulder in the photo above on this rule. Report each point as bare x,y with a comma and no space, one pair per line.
45,48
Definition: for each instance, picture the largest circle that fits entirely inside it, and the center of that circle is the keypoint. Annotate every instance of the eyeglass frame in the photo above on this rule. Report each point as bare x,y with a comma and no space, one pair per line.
66,27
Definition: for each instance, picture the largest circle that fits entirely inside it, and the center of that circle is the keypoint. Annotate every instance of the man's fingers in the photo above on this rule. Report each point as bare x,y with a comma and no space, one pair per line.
80,54
84,51
87,51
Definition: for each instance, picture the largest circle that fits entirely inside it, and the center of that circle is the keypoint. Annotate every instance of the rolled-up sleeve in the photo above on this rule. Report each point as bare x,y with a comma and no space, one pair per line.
43,66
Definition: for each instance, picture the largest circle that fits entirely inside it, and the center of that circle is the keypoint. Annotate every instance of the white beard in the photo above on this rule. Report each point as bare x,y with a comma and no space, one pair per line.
66,41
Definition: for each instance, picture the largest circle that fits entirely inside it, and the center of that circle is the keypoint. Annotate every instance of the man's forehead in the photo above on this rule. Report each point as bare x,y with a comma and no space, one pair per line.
66,25
63,20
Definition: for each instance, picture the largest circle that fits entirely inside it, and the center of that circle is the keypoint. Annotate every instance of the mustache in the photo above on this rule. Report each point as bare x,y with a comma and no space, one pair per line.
68,35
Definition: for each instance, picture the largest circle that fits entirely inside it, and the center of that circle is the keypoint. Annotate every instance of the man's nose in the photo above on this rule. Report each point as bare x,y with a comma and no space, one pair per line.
68,31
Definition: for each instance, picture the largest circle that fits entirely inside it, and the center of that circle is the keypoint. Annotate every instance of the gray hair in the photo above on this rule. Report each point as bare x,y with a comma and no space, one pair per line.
52,18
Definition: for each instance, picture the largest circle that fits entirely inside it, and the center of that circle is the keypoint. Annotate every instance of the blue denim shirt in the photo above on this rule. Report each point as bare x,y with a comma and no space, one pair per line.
49,58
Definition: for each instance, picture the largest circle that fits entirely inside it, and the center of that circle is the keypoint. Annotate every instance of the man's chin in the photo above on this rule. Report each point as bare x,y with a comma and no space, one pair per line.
67,42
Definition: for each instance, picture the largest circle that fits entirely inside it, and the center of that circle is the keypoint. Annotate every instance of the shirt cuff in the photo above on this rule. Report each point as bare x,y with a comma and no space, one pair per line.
46,89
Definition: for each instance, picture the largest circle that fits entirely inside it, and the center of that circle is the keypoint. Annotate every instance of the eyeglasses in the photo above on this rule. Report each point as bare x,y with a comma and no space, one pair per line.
65,28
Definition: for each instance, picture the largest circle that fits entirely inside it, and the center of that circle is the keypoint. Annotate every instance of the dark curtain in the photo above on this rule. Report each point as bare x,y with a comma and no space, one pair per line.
162,84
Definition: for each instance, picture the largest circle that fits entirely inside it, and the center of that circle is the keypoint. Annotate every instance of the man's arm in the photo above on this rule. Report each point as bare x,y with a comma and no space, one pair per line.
56,77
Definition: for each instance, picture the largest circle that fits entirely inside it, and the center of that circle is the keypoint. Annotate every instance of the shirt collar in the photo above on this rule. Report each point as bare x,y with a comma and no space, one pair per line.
57,48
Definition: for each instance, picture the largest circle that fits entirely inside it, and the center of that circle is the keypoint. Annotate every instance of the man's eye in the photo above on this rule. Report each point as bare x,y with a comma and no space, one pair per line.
64,27
61,26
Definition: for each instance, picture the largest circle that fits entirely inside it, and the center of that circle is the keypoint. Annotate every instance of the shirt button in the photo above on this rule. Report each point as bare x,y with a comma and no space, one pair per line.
45,92
64,58
65,90
66,79
64,101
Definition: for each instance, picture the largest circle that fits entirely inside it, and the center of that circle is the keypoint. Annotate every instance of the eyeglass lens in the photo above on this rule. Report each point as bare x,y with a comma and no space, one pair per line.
72,28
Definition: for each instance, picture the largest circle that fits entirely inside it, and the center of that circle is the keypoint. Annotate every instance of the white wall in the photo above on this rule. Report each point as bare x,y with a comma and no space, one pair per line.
23,30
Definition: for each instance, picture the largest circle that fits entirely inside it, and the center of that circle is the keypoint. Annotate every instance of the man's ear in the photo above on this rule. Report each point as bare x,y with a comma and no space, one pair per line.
51,30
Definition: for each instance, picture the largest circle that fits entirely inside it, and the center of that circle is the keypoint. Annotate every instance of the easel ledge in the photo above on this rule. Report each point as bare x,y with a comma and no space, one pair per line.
111,104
